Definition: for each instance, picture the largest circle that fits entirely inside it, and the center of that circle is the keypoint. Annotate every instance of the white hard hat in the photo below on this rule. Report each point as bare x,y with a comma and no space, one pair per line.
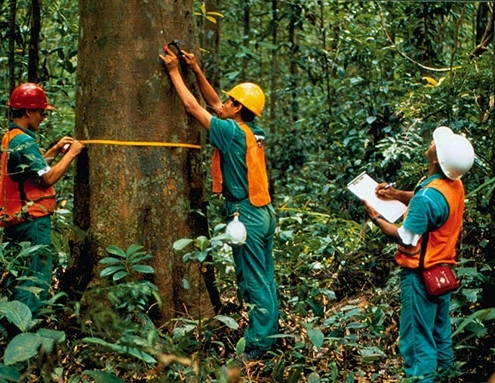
454,152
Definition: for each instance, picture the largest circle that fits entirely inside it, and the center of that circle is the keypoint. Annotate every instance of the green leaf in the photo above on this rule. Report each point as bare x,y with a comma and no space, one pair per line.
25,346
228,321
286,235
56,335
17,313
356,325
185,284
143,269
477,328
185,330
49,338
240,346
135,253
471,294
182,243
314,377
202,243
121,349
29,250
9,374
467,271
481,315
115,250
370,119
316,337
134,249
22,347
200,256
119,275
110,270
141,258
110,260
103,377
371,354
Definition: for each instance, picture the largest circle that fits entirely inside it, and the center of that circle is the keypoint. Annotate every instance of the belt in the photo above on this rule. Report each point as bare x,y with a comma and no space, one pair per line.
233,199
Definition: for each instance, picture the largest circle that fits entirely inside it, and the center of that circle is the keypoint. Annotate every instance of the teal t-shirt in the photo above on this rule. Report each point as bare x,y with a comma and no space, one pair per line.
25,158
428,208
230,140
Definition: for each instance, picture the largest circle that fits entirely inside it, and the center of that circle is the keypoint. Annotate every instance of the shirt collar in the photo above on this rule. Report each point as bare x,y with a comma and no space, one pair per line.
427,180
27,131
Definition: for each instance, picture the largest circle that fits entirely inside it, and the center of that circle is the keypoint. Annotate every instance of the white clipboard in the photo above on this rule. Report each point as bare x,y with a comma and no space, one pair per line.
363,186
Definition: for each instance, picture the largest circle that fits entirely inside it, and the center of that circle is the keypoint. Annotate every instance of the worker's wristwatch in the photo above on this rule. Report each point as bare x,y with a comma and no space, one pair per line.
375,219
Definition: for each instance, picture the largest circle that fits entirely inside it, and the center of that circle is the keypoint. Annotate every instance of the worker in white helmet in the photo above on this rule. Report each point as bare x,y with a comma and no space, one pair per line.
427,238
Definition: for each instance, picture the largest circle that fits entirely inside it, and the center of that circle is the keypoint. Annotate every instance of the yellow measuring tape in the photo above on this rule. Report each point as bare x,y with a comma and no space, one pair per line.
140,143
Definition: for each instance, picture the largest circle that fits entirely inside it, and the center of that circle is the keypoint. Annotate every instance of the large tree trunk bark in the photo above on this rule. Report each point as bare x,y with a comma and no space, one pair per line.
34,42
136,195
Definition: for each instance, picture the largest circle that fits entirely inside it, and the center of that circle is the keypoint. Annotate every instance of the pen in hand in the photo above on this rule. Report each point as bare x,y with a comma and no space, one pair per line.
390,185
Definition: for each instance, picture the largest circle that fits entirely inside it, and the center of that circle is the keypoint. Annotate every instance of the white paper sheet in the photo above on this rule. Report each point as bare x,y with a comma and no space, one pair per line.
363,186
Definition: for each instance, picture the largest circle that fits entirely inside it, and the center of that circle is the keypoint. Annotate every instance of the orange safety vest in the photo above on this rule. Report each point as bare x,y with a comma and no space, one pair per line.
256,170
441,245
19,201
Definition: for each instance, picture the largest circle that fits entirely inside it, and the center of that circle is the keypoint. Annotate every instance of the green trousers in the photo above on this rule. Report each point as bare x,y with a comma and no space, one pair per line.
36,277
425,330
255,273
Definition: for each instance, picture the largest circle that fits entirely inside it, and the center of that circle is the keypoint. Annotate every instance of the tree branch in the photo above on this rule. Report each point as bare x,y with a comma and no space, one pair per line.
394,45
487,37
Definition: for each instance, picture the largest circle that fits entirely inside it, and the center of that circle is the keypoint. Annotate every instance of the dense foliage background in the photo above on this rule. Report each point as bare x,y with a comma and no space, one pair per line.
351,86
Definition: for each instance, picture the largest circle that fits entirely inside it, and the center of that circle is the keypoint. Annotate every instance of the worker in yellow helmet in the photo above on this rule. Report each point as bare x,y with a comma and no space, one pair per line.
239,173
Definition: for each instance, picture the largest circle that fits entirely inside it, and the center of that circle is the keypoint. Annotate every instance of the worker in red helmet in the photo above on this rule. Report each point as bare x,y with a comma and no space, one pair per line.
239,173
27,195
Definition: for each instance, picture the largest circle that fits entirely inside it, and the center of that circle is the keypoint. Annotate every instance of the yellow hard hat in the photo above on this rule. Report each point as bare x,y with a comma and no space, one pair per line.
249,95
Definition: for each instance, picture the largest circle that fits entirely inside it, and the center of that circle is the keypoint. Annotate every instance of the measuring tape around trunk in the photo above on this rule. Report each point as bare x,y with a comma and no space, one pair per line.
140,143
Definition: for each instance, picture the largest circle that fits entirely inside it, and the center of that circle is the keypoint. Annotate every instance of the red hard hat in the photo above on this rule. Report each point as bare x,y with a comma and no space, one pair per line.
29,96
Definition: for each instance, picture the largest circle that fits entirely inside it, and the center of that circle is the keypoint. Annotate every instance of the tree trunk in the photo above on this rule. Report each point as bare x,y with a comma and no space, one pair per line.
11,37
127,194
245,38
34,42
295,11
275,68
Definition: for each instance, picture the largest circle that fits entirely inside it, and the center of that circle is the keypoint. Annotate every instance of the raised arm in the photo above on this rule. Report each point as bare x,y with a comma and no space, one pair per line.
190,103
209,94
